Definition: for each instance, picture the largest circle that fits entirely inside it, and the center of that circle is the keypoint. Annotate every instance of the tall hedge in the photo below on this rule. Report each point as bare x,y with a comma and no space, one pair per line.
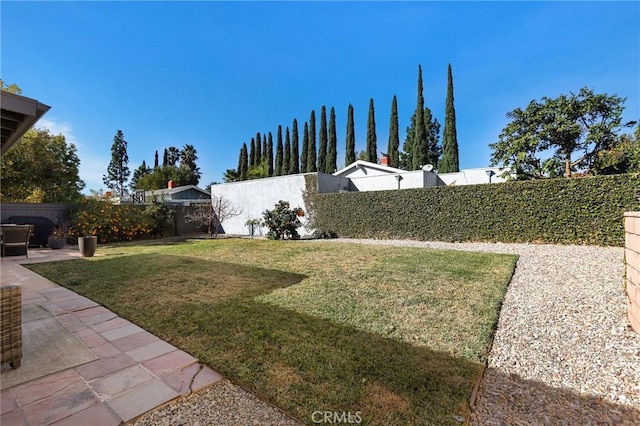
565,211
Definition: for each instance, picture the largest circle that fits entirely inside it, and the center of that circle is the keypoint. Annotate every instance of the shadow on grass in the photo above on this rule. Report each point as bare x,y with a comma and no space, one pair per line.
301,363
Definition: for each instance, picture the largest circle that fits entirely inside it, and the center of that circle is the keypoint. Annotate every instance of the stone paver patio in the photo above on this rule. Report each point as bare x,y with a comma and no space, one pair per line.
135,371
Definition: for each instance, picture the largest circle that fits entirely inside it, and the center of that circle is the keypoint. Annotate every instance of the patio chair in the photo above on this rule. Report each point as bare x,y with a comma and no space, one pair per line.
11,325
16,236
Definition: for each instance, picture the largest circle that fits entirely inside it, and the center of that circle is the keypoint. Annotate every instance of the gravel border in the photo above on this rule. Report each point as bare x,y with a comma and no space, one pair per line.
563,352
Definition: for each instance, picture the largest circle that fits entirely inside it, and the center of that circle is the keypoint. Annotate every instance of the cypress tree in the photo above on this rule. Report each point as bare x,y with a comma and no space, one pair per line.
450,162
322,148
332,152
258,153
155,161
350,156
286,157
244,162
252,154
372,144
419,141
278,171
165,158
305,147
294,164
311,149
269,156
394,137
264,147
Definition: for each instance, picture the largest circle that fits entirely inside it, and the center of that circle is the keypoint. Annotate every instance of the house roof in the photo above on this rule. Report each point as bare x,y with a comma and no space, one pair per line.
366,164
171,191
18,114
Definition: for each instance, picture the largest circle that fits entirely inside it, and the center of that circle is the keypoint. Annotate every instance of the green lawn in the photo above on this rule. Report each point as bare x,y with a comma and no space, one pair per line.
399,334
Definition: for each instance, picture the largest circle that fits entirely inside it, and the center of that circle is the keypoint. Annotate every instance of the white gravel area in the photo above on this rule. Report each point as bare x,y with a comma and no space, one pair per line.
563,352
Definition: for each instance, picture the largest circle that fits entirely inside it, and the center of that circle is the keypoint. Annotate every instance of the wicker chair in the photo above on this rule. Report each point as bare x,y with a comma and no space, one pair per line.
11,324
16,236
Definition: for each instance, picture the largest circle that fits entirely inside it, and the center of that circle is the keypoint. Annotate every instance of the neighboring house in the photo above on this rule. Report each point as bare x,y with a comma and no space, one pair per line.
253,197
183,195
366,176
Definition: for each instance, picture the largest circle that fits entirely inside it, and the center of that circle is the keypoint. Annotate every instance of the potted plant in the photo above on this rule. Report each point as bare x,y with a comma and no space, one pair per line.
58,237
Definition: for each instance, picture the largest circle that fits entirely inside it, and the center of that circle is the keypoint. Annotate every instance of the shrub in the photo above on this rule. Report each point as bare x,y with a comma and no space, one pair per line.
282,221
567,211
161,217
108,222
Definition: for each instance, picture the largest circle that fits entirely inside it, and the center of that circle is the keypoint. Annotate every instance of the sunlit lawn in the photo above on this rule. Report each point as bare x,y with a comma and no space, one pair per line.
398,334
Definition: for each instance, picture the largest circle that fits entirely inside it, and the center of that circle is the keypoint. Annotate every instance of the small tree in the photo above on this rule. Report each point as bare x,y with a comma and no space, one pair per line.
161,216
118,169
214,214
283,222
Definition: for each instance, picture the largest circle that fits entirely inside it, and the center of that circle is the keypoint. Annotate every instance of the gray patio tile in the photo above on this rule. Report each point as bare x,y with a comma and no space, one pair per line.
105,366
90,337
141,399
134,341
151,350
76,304
173,361
65,403
97,415
109,324
118,333
110,386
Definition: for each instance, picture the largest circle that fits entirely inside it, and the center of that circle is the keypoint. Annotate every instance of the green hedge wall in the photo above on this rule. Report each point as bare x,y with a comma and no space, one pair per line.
567,211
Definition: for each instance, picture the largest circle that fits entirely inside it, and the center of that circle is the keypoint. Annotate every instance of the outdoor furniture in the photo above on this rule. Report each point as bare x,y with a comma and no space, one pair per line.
11,324
16,236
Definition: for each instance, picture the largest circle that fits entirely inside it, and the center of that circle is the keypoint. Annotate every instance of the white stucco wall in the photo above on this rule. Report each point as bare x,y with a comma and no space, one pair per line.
414,179
473,176
256,196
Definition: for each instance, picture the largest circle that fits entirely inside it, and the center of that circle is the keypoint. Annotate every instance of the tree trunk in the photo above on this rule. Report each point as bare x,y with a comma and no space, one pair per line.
567,166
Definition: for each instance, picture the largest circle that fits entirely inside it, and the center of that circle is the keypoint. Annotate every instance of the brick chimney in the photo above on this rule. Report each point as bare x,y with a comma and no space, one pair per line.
171,185
385,160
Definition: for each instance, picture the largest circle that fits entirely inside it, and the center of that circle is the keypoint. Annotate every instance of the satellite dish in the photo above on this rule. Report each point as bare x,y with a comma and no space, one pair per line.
427,168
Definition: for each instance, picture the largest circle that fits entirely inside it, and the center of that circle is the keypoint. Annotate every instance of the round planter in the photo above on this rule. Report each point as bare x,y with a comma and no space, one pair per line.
87,245
56,243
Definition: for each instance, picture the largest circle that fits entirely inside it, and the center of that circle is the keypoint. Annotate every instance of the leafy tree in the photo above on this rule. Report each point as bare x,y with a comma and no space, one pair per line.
118,169
583,122
419,151
138,174
173,156
432,134
294,165
252,153
155,161
189,156
269,155
350,156
322,148
160,176
11,88
305,147
258,157
41,168
394,137
286,158
311,149
161,216
450,162
624,157
230,175
244,162
279,155
332,153
372,144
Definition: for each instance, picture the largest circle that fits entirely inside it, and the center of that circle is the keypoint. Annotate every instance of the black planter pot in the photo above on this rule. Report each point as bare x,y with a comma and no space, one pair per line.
87,245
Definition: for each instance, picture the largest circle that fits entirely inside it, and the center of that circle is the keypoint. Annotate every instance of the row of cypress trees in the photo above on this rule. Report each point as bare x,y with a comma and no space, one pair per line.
421,147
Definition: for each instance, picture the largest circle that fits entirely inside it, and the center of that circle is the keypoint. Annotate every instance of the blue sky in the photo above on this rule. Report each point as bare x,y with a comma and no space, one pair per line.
212,74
